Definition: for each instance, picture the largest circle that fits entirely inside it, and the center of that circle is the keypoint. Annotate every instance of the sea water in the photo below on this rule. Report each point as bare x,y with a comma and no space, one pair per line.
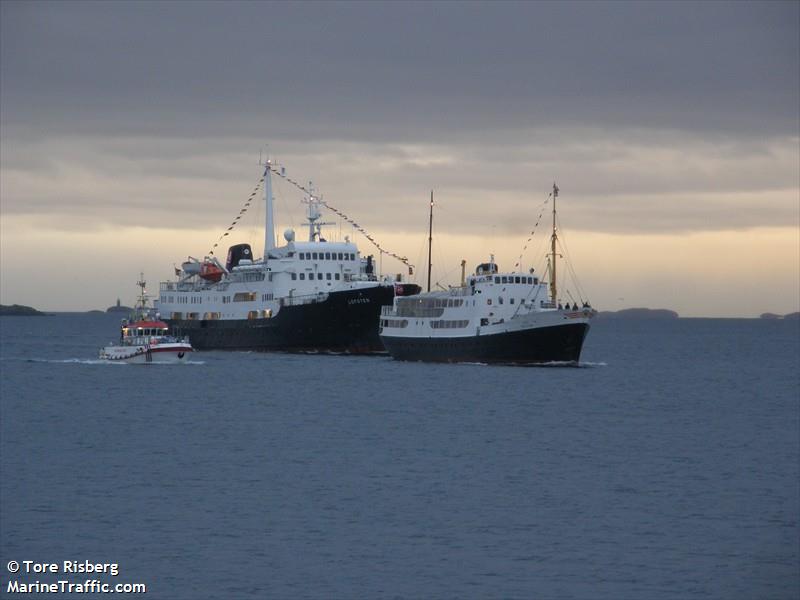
666,466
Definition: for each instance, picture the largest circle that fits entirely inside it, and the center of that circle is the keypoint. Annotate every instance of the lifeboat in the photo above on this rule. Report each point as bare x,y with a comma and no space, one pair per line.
210,272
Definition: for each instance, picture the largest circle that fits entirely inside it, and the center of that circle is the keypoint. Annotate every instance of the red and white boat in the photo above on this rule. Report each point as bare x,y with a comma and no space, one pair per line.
144,338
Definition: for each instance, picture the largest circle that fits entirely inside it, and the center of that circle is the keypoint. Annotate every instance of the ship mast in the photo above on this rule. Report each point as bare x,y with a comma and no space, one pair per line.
430,242
143,294
553,238
269,225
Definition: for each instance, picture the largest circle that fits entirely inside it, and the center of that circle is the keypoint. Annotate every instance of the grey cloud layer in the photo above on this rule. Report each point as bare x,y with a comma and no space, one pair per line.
652,116
397,71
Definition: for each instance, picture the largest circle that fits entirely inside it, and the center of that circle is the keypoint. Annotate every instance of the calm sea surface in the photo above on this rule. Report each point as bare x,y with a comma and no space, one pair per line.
666,467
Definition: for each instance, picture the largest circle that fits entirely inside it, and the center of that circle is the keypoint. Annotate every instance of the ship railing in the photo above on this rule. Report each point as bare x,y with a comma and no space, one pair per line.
304,299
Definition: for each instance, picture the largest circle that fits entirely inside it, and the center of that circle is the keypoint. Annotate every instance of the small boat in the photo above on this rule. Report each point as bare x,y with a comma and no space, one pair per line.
144,338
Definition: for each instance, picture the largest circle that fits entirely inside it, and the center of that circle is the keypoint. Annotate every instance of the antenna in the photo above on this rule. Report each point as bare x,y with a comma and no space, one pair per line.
430,243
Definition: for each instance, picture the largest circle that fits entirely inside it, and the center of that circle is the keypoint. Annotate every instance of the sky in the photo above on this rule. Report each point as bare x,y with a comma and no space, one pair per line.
130,137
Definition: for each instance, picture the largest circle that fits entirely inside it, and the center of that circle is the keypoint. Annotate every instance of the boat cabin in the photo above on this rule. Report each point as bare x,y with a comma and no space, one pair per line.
143,332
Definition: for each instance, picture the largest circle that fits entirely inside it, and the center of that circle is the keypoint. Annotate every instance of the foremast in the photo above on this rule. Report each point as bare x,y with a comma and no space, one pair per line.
553,239
269,225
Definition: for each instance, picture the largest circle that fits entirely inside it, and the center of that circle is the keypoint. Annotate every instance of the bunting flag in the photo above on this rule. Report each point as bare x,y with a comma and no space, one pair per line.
282,174
533,231
241,212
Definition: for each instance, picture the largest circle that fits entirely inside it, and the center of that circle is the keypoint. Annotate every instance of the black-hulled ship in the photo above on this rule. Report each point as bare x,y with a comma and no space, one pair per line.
305,296
492,317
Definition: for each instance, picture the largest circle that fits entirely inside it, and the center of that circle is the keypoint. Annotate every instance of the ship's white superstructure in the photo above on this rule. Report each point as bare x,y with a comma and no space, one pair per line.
274,302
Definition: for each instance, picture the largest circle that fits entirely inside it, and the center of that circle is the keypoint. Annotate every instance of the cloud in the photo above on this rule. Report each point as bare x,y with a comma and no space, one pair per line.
399,72
627,184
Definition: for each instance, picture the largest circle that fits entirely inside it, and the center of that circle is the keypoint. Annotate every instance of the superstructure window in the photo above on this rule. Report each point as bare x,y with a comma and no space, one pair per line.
497,279
302,276
314,255
328,276
302,256
336,276
319,275
294,276
244,297
339,256
516,279
352,256
327,256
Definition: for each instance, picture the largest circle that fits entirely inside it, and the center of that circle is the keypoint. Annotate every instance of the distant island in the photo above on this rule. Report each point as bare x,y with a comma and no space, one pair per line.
118,308
18,310
772,316
639,313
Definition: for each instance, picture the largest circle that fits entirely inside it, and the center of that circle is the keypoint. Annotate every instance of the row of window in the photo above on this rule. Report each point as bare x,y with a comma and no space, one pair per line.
260,314
430,302
327,256
240,297
500,301
335,276
147,331
397,323
449,324
448,303
516,279
182,299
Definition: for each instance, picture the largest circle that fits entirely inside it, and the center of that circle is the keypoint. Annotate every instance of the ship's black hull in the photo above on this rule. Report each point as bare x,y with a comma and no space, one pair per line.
345,321
558,343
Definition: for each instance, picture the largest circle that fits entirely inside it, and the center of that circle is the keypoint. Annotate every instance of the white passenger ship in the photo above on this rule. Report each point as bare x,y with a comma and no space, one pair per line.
492,317
311,295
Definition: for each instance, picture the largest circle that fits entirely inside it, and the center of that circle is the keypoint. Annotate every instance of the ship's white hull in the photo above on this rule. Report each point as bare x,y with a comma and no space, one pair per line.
169,353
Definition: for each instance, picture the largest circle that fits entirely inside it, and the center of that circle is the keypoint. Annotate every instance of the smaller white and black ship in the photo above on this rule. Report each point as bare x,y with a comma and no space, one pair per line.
145,339
492,317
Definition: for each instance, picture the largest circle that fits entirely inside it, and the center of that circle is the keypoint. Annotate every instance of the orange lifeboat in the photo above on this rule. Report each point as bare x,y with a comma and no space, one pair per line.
210,272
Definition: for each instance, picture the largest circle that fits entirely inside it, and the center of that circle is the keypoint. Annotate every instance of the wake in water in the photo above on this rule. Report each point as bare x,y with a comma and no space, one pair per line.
94,361
548,365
